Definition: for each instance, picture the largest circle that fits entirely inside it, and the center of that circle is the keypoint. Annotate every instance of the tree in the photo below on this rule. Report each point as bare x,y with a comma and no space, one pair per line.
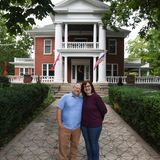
12,46
147,49
131,12
20,13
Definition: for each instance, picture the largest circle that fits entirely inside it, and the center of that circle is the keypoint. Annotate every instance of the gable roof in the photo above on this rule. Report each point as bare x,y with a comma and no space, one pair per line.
78,6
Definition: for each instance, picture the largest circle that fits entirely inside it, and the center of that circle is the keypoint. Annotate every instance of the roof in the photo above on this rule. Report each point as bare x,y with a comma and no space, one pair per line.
46,30
135,63
79,6
120,33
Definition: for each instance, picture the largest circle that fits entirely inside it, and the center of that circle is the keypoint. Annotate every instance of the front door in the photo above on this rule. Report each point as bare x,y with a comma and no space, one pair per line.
80,73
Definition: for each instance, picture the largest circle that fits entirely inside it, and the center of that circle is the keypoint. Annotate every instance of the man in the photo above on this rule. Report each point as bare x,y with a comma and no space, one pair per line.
69,110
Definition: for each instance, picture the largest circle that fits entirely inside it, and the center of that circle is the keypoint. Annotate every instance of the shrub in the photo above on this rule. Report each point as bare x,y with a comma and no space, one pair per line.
140,108
4,81
18,103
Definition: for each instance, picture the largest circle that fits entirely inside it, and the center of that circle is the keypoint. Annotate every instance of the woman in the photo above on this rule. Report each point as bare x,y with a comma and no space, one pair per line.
93,112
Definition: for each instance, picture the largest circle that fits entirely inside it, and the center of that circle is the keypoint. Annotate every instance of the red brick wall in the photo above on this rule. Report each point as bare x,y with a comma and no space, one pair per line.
40,58
16,71
119,57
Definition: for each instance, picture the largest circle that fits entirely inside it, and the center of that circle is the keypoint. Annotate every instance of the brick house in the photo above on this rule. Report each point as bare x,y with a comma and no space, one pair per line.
77,35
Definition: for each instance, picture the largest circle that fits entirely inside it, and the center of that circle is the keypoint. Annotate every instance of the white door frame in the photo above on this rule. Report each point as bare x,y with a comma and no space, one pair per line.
74,64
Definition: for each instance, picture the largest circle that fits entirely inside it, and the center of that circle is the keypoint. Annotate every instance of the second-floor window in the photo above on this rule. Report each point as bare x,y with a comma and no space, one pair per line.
112,46
111,69
47,46
47,70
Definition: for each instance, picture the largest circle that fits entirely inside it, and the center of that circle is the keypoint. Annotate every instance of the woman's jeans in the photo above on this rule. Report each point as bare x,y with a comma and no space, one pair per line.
91,137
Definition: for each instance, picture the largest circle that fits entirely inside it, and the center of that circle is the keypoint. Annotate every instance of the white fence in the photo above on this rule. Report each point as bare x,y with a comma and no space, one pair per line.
43,79
109,79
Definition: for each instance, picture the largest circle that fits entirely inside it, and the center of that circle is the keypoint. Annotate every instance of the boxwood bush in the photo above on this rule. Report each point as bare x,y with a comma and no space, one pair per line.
17,103
140,108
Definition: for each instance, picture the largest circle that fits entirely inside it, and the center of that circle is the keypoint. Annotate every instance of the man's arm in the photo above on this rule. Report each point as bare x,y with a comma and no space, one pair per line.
59,117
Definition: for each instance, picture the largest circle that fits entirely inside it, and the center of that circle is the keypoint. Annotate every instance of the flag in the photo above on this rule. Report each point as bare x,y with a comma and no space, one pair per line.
57,59
100,59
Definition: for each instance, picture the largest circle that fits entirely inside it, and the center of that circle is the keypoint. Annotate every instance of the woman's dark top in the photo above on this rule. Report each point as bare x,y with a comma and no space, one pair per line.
93,111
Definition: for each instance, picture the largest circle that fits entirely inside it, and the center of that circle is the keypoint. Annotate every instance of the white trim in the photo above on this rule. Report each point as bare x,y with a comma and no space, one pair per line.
76,62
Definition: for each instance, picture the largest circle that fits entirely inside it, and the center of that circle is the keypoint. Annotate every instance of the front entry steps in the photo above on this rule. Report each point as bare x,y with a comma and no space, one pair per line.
60,89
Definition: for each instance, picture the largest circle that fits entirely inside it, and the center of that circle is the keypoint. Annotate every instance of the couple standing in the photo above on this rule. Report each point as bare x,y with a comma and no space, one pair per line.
75,114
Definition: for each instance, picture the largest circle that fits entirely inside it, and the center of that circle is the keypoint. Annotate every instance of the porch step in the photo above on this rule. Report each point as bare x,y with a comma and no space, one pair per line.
61,89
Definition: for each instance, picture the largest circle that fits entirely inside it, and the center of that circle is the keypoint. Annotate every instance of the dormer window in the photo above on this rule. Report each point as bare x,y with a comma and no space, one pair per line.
47,46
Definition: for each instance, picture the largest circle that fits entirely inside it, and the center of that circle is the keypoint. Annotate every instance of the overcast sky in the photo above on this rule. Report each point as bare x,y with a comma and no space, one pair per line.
132,35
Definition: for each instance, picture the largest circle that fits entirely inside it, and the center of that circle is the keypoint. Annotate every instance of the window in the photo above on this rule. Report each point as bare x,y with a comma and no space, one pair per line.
23,71
112,46
47,46
44,70
47,70
26,71
32,71
111,69
51,72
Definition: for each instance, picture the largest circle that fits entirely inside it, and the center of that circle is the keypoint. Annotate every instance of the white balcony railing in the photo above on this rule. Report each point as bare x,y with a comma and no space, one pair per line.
109,79
80,45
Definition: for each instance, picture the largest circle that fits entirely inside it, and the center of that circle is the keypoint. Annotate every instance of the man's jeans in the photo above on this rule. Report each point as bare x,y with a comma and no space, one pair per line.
91,137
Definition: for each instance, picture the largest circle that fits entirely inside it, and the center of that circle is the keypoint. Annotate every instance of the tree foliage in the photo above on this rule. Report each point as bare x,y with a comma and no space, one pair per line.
147,49
12,46
21,13
131,12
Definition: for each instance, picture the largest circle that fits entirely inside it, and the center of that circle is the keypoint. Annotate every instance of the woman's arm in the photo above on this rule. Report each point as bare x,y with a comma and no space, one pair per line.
101,106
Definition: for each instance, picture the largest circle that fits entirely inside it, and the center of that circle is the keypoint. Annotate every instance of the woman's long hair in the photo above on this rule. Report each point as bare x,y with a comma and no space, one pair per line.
84,84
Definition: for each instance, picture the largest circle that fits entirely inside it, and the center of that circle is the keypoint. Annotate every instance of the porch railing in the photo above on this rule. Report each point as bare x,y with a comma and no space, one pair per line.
109,79
80,45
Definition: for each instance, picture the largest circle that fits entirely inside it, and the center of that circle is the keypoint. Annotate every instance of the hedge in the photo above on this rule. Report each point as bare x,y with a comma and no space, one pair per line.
140,108
4,81
17,103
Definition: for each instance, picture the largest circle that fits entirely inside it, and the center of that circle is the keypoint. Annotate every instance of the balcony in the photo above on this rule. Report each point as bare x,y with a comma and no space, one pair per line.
80,45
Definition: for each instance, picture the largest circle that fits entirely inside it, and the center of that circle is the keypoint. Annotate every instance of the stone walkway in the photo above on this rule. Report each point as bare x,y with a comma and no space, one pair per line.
39,141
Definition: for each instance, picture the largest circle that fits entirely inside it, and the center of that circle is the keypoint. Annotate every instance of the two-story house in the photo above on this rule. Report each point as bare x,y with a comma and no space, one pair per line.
76,38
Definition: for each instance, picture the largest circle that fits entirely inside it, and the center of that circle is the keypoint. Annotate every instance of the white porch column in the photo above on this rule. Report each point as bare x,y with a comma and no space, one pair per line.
65,70
95,35
58,77
66,35
139,72
102,45
94,70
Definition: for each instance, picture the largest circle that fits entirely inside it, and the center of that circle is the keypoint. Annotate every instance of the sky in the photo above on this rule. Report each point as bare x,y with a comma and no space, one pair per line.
133,34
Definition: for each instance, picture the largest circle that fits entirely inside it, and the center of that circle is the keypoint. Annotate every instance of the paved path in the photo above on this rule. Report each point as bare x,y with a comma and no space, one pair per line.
39,141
